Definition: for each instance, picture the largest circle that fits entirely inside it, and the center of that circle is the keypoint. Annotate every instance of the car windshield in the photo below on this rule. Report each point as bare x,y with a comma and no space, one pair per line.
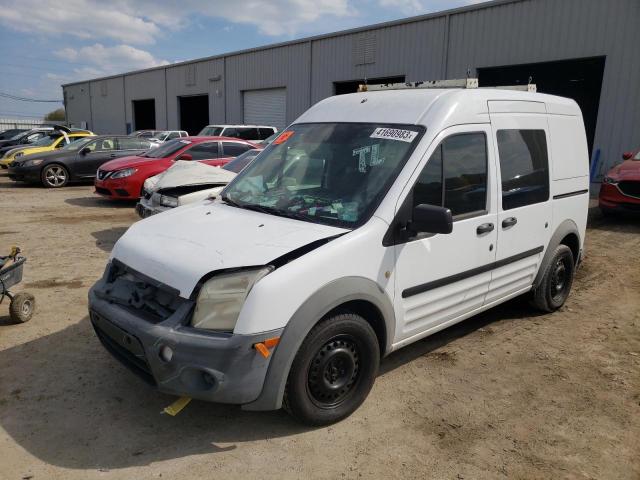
77,144
18,135
210,132
166,149
46,141
637,157
237,164
330,173
160,135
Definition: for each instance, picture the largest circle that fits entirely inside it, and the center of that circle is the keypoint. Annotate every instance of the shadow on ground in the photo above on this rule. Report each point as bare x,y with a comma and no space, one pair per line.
99,202
106,239
626,222
67,402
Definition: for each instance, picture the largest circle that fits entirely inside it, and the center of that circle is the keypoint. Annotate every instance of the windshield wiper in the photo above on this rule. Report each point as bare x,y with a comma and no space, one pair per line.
228,201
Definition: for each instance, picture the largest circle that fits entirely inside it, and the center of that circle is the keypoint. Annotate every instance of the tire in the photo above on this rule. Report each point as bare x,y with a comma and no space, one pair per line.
556,282
333,370
54,176
22,307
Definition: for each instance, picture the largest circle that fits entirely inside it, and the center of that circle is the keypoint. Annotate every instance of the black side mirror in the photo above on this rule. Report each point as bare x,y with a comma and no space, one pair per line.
85,150
431,219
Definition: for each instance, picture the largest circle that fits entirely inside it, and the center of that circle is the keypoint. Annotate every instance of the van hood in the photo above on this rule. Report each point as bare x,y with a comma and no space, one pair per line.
182,245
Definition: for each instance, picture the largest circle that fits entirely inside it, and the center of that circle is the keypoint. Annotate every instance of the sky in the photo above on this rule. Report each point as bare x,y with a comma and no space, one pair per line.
44,44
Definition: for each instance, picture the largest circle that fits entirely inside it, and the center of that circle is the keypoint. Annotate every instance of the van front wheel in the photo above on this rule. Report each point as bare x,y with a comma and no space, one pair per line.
556,281
333,370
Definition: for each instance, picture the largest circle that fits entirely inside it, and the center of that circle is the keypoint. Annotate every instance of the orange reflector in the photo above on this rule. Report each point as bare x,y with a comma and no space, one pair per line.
283,137
264,351
271,342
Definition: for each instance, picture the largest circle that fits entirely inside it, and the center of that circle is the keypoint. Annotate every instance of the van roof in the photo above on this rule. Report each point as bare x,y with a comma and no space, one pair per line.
419,106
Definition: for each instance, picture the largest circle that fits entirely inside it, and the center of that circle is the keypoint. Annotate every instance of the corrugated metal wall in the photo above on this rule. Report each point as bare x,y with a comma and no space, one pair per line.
495,34
286,66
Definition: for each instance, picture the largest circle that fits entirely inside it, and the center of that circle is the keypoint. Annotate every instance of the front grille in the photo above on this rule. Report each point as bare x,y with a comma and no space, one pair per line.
136,363
102,174
149,300
630,188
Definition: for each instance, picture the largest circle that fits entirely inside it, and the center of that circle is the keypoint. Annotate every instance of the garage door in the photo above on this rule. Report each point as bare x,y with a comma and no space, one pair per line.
266,107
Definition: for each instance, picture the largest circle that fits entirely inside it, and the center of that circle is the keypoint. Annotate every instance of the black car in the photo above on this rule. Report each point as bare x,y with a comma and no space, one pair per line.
12,132
78,161
33,135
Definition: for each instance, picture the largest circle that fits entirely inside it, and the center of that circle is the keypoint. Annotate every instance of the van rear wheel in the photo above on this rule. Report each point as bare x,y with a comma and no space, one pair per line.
556,282
333,370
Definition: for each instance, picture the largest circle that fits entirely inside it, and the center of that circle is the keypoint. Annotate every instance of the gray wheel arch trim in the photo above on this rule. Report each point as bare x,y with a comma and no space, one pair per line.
564,229
310,312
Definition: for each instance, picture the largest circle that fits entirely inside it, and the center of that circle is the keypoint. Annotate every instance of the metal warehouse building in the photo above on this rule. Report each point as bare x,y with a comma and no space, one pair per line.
585,49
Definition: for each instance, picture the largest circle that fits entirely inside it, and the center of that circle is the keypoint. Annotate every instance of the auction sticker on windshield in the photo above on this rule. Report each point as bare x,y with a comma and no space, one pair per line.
394,134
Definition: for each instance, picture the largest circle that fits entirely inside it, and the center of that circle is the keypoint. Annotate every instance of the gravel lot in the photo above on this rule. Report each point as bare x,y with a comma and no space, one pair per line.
508,394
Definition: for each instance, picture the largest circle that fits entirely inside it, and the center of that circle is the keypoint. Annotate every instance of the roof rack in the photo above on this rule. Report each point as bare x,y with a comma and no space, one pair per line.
454,83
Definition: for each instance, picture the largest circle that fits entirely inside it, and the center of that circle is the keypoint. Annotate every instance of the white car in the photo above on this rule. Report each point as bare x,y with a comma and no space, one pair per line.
376,219
160,137
252,133
188,182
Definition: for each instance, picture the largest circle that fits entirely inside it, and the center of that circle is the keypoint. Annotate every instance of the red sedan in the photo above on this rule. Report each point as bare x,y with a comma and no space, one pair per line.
620,188
123,178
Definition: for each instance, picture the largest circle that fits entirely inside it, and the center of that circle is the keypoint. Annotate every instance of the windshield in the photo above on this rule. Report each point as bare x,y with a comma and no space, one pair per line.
331,173
166,149
160,135
237,164
46,141
77,144
18,135
210,132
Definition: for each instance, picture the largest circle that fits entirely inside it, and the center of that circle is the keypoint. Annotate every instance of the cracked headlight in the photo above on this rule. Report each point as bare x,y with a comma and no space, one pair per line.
127,172
221,298
168,201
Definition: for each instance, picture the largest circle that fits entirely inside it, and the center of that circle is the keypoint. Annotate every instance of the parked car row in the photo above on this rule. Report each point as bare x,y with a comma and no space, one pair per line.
55,156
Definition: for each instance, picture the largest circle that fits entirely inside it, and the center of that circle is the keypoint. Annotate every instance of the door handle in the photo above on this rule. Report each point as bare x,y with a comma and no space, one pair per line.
509,222
484,228
113,155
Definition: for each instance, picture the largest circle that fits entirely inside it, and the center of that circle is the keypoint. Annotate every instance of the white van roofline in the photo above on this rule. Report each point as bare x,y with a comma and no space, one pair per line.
418,106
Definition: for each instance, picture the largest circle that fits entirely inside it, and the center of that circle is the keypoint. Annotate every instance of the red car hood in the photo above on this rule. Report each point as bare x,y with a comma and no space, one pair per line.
627,170
128,162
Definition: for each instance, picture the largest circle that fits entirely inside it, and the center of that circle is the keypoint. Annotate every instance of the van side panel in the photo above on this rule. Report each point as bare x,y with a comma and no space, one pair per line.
570,172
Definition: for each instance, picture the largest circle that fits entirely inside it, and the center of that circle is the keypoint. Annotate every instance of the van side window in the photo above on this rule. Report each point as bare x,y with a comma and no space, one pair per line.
455,175
524,167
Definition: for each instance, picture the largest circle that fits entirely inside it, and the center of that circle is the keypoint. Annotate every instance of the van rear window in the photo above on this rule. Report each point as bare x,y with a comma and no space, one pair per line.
524,167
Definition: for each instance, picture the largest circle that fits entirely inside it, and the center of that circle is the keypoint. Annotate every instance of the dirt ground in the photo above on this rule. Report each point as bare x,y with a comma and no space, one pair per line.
508,394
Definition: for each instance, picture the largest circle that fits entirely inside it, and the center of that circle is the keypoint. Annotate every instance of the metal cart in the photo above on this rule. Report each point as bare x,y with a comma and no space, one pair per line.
22,304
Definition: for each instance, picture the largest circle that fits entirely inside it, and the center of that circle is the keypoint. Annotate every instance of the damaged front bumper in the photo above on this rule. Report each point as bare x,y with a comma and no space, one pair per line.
167,353
148,206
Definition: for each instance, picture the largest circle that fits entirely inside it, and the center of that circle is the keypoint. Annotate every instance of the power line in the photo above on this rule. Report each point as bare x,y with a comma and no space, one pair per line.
25,99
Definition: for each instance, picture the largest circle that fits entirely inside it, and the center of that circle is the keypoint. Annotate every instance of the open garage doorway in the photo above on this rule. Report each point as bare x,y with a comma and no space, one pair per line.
580,79
144,114
194,113
351,86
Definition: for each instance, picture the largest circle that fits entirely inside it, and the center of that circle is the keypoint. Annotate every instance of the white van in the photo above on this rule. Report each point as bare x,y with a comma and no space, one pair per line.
374,220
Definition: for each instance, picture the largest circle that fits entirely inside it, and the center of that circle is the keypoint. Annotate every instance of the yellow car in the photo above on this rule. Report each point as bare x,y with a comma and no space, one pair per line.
48,143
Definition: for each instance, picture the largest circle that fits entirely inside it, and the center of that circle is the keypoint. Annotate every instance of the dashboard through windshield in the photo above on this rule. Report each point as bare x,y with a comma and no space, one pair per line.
330,173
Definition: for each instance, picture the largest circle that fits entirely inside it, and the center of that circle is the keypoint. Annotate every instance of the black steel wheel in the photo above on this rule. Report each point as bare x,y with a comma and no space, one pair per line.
333,370
556,282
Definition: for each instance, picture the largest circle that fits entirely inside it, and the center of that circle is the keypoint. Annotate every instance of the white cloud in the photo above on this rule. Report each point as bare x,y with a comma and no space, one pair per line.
98,60
406,7
85,19
142,22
